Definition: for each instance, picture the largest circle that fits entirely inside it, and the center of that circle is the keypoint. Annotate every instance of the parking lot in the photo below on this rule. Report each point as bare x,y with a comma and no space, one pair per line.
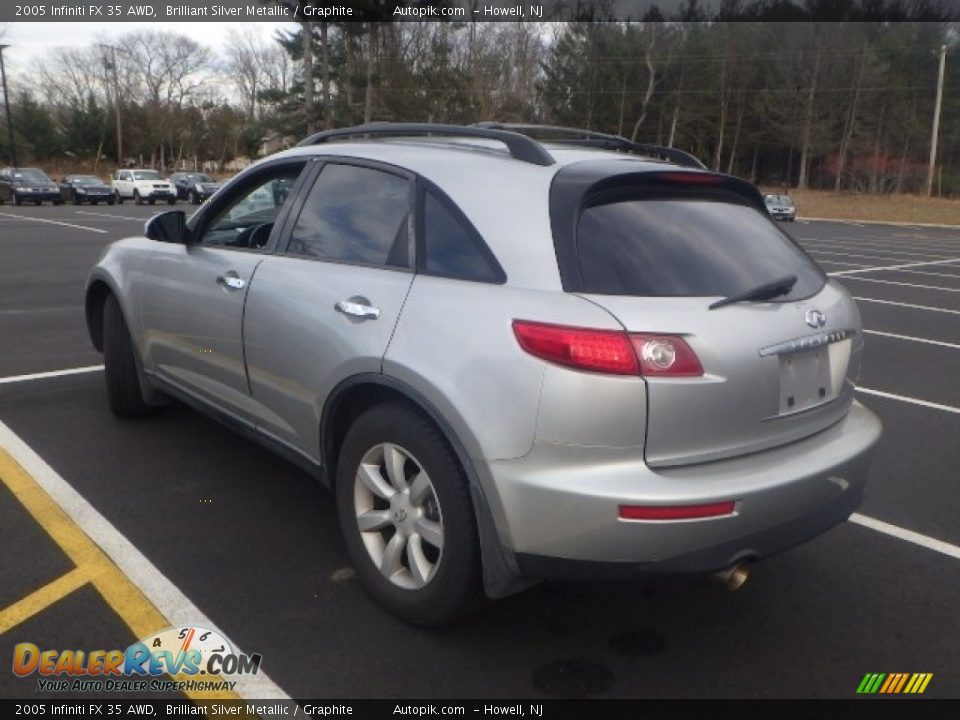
190,523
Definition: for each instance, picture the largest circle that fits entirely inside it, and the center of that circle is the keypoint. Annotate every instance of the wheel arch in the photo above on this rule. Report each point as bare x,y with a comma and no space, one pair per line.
97,291
355,395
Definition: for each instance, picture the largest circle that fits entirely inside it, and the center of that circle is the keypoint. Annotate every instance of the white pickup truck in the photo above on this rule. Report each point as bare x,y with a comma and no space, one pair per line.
142,186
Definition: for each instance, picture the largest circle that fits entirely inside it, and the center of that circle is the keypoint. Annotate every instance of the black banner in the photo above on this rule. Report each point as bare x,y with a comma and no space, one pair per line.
882,709
246,11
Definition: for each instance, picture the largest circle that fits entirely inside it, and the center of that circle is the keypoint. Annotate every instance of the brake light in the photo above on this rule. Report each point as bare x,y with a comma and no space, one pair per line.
676,512
609,351
691,178
606,351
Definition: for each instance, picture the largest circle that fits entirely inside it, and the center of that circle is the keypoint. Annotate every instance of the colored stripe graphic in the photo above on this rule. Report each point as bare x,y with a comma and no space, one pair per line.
894,683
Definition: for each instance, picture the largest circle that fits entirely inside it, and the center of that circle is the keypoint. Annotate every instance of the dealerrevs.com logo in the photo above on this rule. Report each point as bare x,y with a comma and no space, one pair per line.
199,658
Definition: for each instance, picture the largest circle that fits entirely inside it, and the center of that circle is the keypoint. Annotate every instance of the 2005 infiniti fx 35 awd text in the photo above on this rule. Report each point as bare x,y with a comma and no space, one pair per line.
511,359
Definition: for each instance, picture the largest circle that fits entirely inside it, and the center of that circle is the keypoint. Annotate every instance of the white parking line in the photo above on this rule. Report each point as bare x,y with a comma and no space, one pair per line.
881,222
840,262
907,305
912,401
907,535
903,284
53,222
156,587
108,215
893,267
871,255
932,274
913,339
51,374
938,254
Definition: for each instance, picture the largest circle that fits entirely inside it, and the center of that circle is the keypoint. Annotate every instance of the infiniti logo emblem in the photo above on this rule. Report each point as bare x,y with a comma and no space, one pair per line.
815,318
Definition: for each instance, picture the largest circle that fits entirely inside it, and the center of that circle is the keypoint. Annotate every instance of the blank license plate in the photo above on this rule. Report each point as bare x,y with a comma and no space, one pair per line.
805,380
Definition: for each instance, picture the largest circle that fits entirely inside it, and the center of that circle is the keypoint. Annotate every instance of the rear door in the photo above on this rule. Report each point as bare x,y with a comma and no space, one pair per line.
774,371
325,306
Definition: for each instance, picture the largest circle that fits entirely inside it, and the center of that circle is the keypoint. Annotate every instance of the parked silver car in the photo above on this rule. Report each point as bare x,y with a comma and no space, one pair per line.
576,358
780,207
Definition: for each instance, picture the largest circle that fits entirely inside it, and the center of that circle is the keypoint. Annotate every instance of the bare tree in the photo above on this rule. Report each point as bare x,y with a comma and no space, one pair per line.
248,64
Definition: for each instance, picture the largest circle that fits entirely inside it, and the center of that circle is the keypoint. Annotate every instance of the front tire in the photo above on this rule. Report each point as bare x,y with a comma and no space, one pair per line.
406,517
120,364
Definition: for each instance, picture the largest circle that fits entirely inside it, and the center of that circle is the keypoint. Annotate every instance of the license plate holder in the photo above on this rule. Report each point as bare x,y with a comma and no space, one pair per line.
805,380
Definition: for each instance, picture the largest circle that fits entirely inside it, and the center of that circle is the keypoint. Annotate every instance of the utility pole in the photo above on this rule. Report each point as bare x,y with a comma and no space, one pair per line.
6,102
936,122
116,99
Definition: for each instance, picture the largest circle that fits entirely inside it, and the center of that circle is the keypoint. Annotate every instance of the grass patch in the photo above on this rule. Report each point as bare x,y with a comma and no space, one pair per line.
883,208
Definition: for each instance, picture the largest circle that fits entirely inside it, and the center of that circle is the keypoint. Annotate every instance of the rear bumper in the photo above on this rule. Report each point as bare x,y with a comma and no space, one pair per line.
561,504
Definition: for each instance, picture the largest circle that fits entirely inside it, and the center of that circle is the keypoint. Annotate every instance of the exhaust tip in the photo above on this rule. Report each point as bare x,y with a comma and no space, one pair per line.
735,577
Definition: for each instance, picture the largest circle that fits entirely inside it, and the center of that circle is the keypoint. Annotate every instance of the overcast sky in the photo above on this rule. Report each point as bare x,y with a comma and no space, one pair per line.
29,41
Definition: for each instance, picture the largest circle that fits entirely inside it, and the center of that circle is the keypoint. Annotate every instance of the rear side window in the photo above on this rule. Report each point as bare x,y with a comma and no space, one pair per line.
451,248
686,247
356,215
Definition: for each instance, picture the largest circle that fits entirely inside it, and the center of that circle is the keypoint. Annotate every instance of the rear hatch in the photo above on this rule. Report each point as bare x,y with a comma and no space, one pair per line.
656,251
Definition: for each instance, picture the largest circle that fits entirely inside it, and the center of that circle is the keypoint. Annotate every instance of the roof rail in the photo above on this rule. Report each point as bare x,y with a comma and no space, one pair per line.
591,138
521,147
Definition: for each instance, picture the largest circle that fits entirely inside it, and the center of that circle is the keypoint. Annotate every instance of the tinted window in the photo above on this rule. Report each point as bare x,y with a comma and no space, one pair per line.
450,248
354,214
245,219
686,247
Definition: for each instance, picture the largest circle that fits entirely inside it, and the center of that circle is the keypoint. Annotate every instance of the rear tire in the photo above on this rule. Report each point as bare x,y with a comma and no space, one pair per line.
120,364
434,575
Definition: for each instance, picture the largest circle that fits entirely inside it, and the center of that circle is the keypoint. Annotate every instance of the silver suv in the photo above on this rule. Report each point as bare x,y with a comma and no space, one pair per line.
510,359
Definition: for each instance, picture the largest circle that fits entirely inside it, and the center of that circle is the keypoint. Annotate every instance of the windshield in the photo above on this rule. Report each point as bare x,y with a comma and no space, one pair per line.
200,178
31,175
146,175
86,180
778,200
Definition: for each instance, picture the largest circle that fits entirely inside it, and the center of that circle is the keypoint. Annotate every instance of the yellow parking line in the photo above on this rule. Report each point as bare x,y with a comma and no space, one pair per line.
123,597
43,598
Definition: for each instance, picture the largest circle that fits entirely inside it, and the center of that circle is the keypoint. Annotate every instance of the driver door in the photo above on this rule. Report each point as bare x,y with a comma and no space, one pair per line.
194,294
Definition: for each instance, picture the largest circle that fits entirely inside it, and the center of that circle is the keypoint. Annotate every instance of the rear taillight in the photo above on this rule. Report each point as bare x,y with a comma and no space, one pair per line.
609,351
605,351
666,356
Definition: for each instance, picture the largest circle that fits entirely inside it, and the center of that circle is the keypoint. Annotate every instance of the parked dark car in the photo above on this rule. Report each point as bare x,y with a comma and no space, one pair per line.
195,187
79,189
27,184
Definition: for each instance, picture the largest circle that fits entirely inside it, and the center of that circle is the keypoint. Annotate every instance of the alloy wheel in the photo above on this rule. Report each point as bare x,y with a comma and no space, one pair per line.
398,516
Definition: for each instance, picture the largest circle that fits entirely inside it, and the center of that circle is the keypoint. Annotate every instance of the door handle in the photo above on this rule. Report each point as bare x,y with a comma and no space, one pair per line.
231,281
357,309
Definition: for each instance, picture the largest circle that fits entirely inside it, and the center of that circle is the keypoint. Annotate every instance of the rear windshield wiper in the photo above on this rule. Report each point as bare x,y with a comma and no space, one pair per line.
767,291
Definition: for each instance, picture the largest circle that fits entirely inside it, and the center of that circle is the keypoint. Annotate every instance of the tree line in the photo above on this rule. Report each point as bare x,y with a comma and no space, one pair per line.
841,106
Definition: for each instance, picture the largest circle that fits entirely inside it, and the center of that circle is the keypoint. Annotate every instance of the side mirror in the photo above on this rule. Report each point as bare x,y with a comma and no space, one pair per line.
167,227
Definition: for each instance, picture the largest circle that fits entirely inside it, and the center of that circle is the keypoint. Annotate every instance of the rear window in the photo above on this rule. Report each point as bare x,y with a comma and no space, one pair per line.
686,247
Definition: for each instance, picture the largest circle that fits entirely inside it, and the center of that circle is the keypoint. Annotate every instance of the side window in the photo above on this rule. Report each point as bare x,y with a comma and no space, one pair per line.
355,214
451,248
246,218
